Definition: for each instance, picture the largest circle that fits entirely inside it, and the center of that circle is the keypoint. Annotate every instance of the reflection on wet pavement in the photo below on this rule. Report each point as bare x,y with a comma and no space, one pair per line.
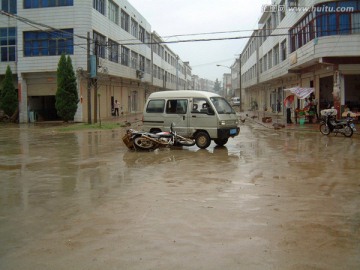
268,200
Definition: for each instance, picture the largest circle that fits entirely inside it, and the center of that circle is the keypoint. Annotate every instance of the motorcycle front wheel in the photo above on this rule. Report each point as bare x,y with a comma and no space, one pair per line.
348,131
142,143
324,129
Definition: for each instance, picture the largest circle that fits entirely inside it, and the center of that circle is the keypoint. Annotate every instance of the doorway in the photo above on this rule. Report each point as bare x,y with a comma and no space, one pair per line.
326,99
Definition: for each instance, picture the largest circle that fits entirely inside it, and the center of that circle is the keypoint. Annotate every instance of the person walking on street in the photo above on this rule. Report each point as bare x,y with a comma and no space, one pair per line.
116,108
288,112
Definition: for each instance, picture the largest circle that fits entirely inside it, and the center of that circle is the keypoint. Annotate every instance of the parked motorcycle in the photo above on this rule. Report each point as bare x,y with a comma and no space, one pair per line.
329,124
150,141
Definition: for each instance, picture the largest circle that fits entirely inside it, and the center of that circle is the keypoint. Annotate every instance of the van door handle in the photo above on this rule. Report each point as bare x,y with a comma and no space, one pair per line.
193,116
183,117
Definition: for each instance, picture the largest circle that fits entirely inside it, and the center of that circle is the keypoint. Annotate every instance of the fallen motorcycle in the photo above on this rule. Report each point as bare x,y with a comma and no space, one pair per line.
329,124
139,140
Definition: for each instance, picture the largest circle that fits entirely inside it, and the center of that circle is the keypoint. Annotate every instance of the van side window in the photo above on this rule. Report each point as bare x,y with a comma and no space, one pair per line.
155,106
200,105
176,106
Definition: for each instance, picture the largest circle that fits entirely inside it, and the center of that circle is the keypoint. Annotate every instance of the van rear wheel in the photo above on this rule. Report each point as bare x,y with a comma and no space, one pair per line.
202,140
221,142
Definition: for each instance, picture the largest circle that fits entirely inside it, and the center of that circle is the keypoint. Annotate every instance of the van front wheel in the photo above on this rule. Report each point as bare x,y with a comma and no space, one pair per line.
221,142
202,140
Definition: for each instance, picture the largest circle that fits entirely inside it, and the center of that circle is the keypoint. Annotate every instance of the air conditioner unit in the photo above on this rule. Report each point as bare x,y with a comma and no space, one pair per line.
139,74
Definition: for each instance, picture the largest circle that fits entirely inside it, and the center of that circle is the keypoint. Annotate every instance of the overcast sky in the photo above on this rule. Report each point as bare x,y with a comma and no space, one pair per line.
181,17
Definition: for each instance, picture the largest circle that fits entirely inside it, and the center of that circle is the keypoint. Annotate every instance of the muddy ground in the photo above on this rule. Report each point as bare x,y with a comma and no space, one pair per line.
270,199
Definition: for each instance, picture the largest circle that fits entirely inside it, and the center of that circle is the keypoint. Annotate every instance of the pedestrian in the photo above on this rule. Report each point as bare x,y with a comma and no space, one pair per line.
116,108
306,104
288,112
314,105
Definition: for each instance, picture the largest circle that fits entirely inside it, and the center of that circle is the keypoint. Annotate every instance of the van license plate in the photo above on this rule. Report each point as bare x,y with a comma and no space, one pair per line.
233,131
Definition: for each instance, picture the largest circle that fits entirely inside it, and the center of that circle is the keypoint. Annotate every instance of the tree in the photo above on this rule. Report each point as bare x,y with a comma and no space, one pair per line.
66,95
8,96
217,86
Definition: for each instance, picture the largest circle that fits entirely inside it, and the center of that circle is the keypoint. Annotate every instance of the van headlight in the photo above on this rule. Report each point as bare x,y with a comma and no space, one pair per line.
222,123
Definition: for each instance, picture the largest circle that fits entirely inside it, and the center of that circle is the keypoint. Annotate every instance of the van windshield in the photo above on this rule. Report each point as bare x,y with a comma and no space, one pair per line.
221,105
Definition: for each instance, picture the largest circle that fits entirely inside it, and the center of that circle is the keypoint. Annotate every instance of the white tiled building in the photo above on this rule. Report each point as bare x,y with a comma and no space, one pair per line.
133,62
308,44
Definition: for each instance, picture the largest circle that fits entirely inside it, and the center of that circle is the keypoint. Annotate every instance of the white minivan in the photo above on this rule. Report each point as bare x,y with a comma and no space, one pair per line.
235,101
201,115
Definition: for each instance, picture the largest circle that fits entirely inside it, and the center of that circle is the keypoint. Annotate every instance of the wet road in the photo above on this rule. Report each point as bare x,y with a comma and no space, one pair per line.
268,200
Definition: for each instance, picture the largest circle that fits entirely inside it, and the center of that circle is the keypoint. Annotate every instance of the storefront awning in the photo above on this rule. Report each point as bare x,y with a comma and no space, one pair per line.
300,92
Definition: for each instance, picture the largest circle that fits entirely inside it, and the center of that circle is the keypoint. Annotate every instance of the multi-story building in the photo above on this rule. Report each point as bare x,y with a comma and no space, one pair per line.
309,44
227,87
132,61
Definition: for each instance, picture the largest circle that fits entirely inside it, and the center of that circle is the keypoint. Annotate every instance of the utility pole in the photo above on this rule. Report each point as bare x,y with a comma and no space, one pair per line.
96,81
241,101
88,79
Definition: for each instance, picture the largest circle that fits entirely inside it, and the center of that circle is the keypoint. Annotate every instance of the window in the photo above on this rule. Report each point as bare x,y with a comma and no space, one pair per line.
155,106
46,3
269,27
134,28
155,48
282,9
154,71
9,6
113,51
276,55
355,19
200,105
134,60
283,50
147,39
7,44
176,106
148,66
113,12
270,59
125,21
265,63
99,5
142,63
222,106
99,45
162,74
328,22
142,34
38,43
125,56
293,3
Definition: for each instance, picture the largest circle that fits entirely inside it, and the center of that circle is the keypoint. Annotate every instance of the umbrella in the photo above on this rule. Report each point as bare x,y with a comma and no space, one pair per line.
289,100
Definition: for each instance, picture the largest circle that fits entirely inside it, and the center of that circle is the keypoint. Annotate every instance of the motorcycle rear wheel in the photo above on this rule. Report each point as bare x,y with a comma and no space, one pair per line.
142,143
348,131
324,129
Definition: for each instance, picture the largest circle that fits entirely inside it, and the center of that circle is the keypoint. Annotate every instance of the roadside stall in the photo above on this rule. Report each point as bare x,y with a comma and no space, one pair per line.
349,113
307,113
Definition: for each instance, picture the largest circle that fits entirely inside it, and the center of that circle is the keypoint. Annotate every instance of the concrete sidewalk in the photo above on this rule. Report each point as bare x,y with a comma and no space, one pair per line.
278,121
130,119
